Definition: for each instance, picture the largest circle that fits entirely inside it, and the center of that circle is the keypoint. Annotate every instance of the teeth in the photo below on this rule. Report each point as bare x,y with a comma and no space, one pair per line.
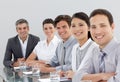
78,33
99,37
62,33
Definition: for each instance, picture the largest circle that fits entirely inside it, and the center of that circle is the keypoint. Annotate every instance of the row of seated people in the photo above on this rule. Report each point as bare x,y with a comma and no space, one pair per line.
76,54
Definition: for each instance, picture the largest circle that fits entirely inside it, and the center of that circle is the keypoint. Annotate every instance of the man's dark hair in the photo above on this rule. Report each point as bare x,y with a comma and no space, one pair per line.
103,12
66,18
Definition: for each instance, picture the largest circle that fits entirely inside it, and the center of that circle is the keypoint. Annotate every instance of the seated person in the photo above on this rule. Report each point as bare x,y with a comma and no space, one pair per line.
20,46
62,57
45,49
104,63
80,29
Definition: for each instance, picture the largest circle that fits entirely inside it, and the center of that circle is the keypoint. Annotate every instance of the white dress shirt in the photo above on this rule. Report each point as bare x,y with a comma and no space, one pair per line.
44,51
23,46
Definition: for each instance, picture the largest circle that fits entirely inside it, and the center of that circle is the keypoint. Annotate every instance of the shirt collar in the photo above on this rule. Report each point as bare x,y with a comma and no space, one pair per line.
85,44
24,41
69,41
53,41
110,46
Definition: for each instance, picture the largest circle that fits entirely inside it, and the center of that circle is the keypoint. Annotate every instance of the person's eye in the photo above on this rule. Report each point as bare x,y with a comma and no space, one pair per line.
19,28
58,28
81,25
50,28
45,28
25,28
92,27
73,25
103,26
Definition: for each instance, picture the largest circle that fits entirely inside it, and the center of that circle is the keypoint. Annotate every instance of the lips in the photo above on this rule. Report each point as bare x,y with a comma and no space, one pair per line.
99,37
78,34
62,34
49,33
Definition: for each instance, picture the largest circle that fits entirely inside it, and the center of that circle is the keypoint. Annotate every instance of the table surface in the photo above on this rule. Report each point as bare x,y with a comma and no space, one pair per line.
12,75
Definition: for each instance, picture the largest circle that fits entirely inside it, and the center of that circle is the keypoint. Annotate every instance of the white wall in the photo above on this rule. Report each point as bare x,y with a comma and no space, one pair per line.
35,11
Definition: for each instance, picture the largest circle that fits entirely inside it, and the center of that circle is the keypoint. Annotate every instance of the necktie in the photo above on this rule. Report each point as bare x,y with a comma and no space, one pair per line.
63,57
102,62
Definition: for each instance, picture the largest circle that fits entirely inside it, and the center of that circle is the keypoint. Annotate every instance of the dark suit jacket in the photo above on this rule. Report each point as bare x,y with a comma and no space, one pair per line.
14,48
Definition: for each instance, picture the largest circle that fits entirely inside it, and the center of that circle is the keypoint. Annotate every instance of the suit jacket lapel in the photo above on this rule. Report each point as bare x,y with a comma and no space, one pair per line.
28,46
18,50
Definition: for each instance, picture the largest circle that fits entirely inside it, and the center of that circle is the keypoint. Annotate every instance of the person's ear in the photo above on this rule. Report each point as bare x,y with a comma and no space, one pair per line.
113,26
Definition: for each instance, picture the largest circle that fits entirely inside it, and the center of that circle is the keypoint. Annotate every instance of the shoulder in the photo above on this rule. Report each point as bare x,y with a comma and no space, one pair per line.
39,44
55,40
42,42
94,45
72,41
60,43
118,47
34,37
93,49
13,38
76,46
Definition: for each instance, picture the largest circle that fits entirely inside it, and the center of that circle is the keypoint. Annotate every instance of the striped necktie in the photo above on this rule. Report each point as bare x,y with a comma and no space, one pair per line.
102,62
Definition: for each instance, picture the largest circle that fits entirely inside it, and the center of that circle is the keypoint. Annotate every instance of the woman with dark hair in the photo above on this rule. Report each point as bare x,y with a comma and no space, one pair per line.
45,49
80,29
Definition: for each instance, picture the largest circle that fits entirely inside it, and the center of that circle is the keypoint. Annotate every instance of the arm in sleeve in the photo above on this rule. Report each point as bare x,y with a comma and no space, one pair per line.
116,78
67,66
54,61
8,55
86,67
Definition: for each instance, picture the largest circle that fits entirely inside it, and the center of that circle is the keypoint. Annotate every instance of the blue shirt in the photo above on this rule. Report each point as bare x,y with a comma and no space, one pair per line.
112,62
56,60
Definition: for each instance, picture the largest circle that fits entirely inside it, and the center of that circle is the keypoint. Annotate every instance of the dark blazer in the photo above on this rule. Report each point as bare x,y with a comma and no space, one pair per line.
14,48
